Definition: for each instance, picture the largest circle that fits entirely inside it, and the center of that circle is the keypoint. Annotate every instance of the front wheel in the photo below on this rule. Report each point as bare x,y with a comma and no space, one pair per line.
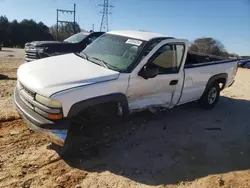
86,128
211,96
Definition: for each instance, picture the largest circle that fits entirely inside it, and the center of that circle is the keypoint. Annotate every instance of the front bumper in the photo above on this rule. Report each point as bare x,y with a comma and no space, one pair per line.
55,131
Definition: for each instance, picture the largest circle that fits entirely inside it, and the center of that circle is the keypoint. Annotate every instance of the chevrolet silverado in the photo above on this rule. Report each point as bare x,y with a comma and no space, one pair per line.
119,73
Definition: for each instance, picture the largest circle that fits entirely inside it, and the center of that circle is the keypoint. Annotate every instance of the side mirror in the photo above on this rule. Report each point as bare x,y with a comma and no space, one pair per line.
148,72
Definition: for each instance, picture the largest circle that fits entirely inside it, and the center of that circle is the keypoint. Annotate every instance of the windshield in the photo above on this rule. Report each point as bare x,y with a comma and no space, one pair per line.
76,38
117,52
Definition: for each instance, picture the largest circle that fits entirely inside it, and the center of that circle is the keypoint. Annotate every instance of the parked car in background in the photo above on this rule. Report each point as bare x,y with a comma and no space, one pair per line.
242,62
119,73
76,43
247,64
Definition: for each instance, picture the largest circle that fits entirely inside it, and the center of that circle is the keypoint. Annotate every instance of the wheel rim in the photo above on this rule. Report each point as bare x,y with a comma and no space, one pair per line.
212,95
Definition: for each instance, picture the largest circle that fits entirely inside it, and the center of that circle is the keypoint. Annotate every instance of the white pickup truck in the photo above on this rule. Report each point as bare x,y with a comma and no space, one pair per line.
120,72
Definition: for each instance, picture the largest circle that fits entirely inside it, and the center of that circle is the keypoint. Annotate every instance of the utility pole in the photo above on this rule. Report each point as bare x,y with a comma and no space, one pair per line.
74,18
105,12
62,21
57,24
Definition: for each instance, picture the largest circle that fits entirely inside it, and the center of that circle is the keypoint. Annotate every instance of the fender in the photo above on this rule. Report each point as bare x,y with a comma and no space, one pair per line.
119,97
219,77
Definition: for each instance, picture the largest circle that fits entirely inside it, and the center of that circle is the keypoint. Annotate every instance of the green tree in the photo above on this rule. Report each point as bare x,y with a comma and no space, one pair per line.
17,34
4,29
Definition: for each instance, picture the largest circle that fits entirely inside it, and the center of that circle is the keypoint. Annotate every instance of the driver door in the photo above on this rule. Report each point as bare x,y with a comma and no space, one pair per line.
165,88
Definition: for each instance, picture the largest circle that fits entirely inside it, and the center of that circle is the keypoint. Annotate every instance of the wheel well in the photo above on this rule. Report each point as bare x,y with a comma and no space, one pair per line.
89,121
219,78
104,107
117,98
222,82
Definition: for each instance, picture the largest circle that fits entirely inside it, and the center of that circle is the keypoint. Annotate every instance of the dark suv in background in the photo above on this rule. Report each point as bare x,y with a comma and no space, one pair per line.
76,43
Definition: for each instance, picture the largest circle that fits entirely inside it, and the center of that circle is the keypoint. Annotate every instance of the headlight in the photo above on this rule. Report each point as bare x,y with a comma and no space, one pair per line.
48,102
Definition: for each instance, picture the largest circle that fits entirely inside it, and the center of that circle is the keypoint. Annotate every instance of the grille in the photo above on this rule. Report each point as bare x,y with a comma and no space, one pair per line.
30,93
27,102
28,97
30,54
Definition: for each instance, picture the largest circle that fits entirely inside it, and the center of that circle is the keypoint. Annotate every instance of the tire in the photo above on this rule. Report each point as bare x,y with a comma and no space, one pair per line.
211,96
86,128
74,144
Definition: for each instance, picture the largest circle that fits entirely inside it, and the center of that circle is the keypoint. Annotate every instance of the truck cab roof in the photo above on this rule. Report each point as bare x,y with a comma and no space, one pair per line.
142,35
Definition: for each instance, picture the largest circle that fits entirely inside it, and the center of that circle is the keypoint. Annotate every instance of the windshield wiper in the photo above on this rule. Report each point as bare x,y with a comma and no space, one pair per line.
113,67
84,55
102,63
105,64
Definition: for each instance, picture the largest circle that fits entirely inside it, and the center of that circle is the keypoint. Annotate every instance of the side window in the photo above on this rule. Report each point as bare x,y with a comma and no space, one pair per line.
92,38
150,47
168,59
179,53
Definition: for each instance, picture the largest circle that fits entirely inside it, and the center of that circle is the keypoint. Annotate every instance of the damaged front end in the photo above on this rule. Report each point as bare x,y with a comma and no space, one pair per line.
55,131
56,136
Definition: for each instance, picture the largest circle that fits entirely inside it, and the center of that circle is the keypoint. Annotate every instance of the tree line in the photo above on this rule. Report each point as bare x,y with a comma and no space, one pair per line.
16,34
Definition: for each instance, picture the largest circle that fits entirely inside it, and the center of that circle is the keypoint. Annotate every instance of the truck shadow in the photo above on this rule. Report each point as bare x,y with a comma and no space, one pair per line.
5,50
179,145
6,77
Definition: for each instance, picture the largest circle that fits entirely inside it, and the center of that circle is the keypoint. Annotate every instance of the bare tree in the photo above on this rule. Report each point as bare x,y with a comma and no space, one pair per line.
208,45
64,30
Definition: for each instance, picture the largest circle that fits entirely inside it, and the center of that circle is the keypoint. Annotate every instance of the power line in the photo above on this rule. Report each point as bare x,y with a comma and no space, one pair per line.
105,12
62,21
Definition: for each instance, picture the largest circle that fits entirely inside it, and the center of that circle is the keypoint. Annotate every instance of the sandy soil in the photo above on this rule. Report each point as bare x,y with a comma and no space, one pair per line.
10,60
185,147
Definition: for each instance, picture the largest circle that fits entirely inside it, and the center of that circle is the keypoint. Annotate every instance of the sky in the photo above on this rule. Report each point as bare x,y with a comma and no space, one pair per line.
225,20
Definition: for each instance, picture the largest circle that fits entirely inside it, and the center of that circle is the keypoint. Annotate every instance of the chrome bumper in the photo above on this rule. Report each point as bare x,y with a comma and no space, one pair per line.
55,131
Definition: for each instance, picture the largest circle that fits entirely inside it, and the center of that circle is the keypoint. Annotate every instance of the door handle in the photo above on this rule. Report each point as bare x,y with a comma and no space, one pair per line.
173,82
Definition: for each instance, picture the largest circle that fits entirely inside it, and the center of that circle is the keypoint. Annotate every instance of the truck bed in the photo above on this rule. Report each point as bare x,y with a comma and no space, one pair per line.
197,75
197,59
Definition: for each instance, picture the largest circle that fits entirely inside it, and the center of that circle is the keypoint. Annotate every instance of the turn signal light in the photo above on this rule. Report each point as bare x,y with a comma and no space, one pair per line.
55,116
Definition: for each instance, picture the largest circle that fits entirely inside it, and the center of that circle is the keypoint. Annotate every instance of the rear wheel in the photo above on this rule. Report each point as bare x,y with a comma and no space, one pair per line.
211,96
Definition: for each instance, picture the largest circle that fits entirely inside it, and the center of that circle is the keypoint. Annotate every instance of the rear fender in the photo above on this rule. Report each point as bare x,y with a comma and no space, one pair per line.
221,78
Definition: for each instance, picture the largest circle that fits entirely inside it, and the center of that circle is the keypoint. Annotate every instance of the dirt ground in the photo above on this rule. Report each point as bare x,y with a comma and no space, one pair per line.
186,147
10,60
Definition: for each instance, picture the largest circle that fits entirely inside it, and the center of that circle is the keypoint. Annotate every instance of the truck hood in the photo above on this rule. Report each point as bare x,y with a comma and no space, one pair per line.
41,43
47,44
51,75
